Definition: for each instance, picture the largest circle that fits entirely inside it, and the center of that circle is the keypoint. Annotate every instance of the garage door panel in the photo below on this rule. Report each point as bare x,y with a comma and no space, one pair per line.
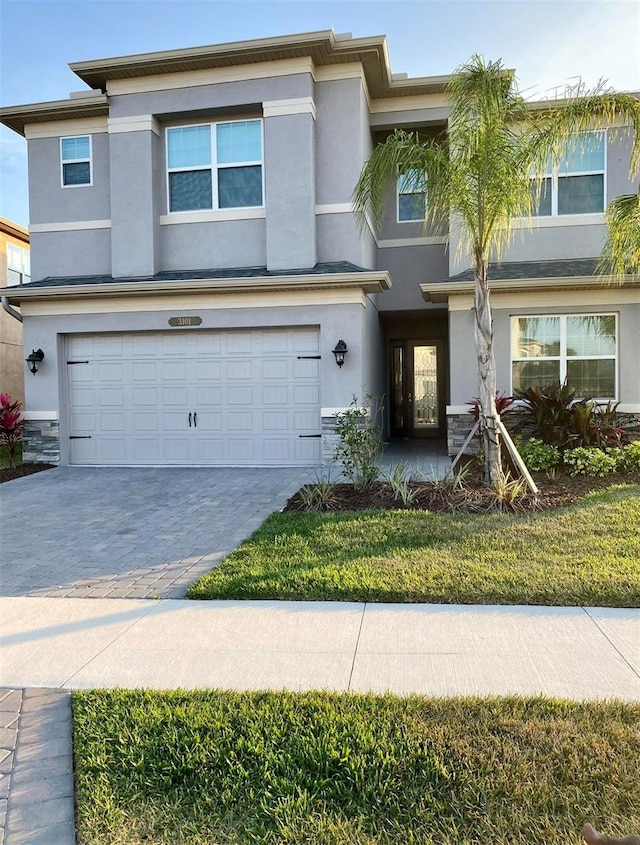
145,397
252,396
239,396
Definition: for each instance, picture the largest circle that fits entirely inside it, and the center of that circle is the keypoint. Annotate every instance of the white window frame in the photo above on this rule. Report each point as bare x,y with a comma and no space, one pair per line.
400,193
214,166
25,260
555,176
562,357
77,161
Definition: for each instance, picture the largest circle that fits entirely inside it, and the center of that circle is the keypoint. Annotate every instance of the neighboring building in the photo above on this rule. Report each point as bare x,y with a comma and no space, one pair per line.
196,260
14,271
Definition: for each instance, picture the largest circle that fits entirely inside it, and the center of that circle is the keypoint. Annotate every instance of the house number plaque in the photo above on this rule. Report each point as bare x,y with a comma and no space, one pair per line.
185,321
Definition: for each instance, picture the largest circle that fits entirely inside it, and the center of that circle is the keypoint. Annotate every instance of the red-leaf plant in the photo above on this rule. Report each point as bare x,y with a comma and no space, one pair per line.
11,426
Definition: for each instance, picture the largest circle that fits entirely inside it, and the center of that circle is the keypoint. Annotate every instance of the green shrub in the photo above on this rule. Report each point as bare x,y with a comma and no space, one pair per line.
360,444
319,496
538,456
589,460
627,458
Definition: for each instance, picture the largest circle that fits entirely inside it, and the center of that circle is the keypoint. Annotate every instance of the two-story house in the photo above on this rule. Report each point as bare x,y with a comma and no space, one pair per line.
196,262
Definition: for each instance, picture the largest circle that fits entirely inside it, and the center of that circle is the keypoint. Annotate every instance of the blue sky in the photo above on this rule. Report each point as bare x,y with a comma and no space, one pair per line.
549,42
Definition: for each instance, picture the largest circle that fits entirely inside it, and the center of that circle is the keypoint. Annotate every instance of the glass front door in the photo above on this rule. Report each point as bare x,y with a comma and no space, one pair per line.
416,389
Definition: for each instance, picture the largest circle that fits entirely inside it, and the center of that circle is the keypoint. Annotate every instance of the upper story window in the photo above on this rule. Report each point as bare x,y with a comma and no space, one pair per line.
215,165
412,196
75,160
18,265
580,349
577,186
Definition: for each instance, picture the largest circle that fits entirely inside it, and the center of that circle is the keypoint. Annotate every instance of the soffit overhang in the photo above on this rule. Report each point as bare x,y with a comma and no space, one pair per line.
369,282
441,291
323,47
17,117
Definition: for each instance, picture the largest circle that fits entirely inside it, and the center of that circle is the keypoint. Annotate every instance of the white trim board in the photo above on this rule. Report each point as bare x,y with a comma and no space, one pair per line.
72,226
212,216
41,416
65,128
138,123
281,108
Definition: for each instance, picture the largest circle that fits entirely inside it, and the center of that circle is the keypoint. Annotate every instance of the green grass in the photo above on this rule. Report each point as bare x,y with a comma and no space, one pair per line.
320,769
586,554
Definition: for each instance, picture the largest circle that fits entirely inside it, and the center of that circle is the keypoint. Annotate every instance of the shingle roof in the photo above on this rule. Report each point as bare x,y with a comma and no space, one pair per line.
326,268
535,270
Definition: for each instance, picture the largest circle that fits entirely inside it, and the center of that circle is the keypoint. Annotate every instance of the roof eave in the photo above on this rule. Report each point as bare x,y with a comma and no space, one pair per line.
441,291
370,282
17,117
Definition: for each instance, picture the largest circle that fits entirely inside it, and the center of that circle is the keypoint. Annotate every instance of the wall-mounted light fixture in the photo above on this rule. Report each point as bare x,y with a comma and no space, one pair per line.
340,352
34,360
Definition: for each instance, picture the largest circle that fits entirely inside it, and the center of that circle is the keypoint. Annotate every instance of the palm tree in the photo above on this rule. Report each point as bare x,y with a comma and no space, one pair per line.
621,254
480,177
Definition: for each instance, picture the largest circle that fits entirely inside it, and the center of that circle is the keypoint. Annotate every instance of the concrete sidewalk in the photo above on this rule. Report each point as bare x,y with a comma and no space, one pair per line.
577,653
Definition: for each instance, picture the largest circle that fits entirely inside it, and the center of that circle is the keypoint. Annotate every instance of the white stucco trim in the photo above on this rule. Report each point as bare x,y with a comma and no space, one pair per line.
402,242
333,412
558,221
458,409
201,302
139,123
629,408
58,128
41,415
72,226
551,299
210,76
215,216
330,73
411,103
335,208
280,108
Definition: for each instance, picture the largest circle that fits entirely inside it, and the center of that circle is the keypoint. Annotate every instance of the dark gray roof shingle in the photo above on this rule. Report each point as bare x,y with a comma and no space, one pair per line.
326,268
535,270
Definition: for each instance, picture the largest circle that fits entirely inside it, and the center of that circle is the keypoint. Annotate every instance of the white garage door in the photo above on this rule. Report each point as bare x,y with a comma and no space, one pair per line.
201,397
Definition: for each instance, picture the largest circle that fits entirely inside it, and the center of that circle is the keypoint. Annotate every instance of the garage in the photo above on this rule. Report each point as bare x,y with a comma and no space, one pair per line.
196,397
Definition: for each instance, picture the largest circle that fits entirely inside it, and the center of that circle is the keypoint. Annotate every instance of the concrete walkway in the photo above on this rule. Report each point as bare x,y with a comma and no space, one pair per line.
577,653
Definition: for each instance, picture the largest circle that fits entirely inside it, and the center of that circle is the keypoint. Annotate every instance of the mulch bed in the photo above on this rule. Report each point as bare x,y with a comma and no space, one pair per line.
555,491
9,473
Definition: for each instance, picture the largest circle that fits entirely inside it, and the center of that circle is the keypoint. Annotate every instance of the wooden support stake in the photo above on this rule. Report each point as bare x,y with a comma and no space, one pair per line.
516,457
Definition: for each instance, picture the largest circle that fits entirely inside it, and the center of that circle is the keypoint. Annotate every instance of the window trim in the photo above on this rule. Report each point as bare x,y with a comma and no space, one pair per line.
562,357
88,184
213,167
555,175
24,251
400,193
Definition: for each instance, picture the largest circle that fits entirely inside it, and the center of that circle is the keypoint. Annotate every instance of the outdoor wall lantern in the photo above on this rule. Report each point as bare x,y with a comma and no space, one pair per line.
340,351
34,360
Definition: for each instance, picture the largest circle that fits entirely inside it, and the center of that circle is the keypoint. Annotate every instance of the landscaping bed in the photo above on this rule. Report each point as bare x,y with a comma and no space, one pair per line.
214,767
10,473
555,490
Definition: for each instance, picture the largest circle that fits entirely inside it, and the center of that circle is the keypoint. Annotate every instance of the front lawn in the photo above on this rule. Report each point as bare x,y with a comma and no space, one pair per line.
586,554
221,768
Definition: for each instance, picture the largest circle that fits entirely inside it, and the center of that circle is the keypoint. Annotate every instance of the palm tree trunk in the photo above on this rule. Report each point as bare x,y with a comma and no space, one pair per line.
483,335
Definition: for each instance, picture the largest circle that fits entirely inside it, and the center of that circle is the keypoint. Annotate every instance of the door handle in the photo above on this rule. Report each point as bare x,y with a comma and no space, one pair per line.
189,419
195,419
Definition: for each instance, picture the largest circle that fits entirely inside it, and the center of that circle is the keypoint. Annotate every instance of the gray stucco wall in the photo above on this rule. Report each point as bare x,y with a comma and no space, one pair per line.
290,195
205,99
340,139
80,253
410,267
201,246
464,381
134,217
49,202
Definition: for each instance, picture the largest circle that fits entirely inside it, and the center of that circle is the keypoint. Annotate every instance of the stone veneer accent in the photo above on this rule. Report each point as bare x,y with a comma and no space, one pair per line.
41,442
329,440
458,428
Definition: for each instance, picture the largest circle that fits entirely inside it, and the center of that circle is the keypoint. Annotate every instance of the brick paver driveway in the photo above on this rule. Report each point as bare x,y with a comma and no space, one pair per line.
130,532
